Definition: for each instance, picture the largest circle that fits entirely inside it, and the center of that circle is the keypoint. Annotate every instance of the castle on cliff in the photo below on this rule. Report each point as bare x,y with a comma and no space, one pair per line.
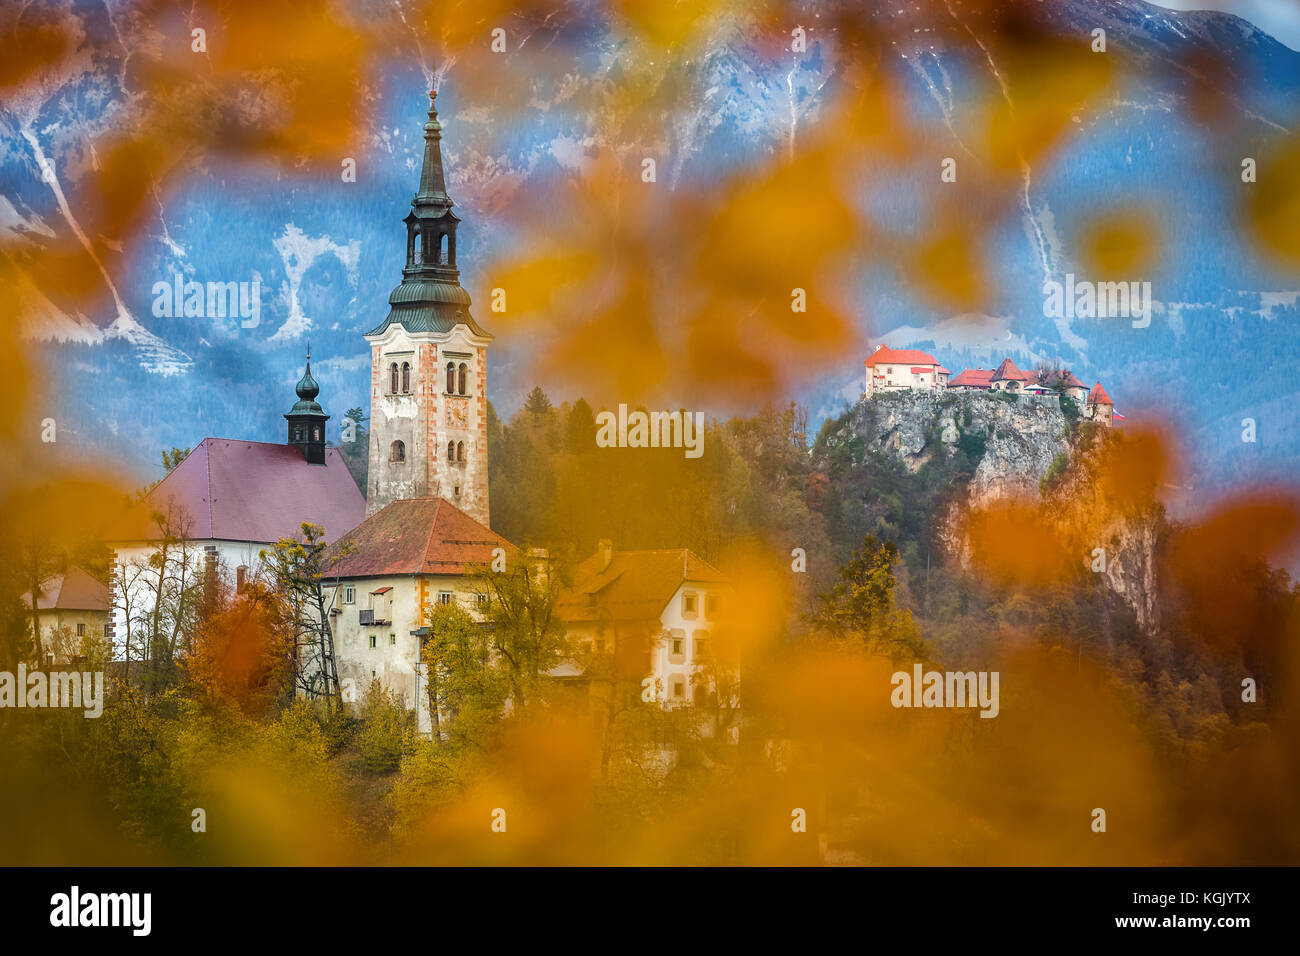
897,370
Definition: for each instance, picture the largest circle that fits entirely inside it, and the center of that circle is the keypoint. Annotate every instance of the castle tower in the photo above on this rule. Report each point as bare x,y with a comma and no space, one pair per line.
428,364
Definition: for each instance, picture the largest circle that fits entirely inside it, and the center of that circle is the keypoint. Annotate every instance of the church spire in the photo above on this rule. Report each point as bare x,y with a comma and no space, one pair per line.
430,297
433,184
428,362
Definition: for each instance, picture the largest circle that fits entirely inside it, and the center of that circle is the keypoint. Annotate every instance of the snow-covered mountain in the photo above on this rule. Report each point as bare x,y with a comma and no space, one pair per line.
325,253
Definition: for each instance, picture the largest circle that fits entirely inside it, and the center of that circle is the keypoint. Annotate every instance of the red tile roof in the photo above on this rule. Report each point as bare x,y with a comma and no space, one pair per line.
887,356
1007,371
417,536
74,590
237,490
920,369
971,378
942,371
1065,377
1098,396
636,586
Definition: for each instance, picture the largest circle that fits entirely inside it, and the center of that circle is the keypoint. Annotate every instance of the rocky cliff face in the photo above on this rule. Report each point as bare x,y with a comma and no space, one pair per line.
1012,446
1011,441
1128,537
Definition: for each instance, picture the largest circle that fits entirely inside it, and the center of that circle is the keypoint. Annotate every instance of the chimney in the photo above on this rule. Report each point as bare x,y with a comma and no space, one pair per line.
605,548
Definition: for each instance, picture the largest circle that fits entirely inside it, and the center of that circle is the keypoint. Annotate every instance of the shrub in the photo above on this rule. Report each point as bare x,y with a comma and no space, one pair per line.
1070,408
1055,472
387,730
974,445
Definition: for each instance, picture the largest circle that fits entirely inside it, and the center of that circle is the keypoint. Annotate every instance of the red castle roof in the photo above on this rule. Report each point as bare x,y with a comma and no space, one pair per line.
1065,377
1007,371
1098,396
971,378
887,356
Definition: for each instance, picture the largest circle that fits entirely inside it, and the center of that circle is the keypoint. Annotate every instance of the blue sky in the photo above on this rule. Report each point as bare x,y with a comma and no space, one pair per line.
1279,18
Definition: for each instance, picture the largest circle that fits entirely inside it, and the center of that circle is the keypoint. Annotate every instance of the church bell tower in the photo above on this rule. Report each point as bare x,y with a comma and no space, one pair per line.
307,419
428,364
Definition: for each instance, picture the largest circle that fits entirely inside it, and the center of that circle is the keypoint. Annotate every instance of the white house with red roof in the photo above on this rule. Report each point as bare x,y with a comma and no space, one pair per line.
903,369
70,607
222,505
1068,383
658,607
385,578
1008,378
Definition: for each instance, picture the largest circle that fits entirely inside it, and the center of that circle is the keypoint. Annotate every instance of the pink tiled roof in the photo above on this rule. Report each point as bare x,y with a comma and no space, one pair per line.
237,490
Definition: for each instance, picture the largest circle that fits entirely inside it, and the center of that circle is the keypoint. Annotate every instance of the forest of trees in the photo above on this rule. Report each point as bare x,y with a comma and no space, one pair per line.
833,551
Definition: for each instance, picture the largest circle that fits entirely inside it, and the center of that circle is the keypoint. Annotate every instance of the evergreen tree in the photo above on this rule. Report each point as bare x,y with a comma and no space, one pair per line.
537,403
580,428
862,603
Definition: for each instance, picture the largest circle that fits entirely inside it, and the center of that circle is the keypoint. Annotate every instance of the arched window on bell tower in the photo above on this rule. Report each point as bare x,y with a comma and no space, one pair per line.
406,378
451,451
397,451
461,380
418,246
451,378
392,378
460,451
